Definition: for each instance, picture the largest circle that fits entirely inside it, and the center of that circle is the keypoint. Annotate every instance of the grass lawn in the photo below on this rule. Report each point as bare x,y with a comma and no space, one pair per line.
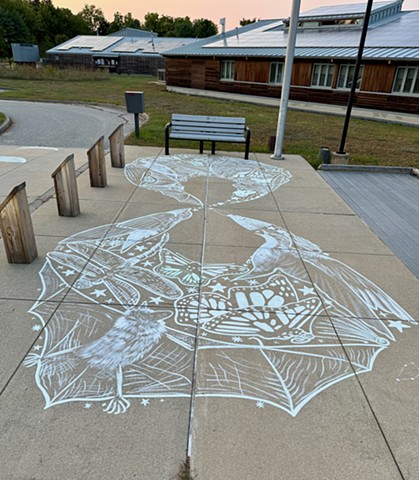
368,142
2,118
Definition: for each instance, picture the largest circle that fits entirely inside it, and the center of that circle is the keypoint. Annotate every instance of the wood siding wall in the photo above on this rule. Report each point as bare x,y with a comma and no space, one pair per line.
301,73
252,77
378,77
252,71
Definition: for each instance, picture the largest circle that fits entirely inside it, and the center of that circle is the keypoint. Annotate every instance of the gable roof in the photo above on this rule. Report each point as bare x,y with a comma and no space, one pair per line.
394,37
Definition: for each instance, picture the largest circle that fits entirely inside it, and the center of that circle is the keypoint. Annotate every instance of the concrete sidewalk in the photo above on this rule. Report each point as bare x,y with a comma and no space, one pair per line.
237,312
339,110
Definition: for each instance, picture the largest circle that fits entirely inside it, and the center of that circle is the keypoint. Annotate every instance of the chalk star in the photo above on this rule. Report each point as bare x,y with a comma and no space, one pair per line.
260,405
307,291
148,264
69,272
156,300
252,282
398,325
141,248
36,328
192,290
237,339
37,347
145,402
218,288
87,406
99,293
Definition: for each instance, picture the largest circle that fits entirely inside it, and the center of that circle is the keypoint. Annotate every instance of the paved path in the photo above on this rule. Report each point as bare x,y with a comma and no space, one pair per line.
60,125
365,113
235,311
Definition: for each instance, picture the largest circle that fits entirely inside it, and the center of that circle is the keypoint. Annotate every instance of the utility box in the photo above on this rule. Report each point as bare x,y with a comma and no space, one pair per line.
134,102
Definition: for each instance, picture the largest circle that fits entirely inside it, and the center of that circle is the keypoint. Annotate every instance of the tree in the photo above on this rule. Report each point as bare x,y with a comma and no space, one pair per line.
245,21
94,17
12,30
131,22
181,27
203,28
152,22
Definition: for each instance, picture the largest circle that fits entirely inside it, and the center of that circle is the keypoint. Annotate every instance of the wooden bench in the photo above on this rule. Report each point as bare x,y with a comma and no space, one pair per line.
211,129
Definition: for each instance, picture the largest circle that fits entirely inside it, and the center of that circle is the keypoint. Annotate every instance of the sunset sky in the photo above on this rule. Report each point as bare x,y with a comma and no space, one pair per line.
233,10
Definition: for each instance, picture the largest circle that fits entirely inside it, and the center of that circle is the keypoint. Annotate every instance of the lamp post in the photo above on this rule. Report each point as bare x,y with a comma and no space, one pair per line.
286,83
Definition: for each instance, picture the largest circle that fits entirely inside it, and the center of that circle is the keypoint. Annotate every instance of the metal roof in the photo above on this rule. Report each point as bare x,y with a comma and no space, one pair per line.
114,46
354,9
395,38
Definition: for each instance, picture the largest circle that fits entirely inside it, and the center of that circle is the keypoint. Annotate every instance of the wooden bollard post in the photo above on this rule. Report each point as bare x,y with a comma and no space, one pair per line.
65,184
97,166
116,142
16,227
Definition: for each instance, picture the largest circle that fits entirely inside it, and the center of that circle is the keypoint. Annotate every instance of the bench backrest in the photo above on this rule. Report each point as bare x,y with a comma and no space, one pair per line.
208,124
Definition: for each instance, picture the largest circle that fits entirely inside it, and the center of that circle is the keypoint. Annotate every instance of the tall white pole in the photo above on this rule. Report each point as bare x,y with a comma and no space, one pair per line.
286,82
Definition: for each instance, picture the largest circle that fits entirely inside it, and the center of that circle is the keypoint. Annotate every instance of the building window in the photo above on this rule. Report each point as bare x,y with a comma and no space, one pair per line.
322,75
346,76
275,73
227,70
407,80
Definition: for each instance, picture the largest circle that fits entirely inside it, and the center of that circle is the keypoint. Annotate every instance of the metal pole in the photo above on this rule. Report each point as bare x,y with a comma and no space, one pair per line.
286,83
355,80
137,125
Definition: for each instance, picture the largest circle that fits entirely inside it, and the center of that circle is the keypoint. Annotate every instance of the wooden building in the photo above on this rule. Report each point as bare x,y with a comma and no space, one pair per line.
250,60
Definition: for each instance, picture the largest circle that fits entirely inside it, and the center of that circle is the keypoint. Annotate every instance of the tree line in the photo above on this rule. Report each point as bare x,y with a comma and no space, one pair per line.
40,22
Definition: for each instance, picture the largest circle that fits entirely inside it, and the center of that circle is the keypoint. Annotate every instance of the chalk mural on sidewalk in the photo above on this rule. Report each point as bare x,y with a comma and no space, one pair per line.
279,328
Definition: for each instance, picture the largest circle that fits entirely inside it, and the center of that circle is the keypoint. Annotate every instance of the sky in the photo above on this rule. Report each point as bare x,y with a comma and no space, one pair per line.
232,10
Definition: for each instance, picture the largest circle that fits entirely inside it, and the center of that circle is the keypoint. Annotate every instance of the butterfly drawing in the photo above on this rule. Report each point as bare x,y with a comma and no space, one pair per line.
98,266
189,272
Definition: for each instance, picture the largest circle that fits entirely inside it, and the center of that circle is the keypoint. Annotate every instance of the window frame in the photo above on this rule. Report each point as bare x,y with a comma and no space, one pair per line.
328,66
415,80
276,66
227,67
348,68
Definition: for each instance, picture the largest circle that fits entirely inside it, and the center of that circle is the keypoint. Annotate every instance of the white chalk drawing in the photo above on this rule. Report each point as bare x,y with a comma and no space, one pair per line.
135,315
409,372
168,175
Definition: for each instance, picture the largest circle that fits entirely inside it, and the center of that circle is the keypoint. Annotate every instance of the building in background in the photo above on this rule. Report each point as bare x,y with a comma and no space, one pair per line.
250,60
25,53
127,51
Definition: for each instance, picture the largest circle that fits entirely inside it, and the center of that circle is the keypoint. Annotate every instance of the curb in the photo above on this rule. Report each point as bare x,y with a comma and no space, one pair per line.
366,168
5,125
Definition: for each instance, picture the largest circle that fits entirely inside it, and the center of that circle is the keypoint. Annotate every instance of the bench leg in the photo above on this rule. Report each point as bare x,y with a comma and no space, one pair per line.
201,146
166,139
246,154
212,148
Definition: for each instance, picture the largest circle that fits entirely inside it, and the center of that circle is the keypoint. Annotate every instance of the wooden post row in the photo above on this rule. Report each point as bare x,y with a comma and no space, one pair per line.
16,227
65,184
116,142
97,166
